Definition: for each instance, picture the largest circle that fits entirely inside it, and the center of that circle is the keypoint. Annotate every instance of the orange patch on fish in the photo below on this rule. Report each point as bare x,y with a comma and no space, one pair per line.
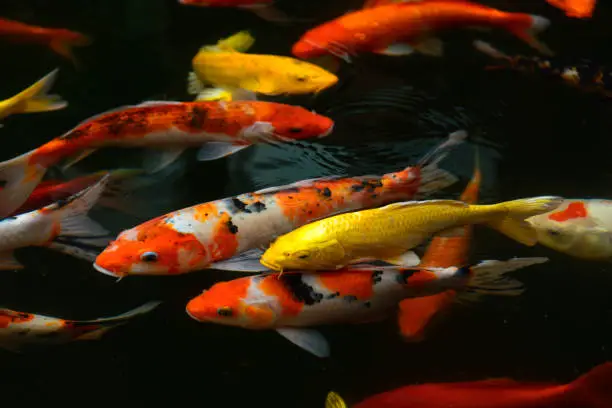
349,283
224,238
222,295
273,285
416,313
574,210
7,318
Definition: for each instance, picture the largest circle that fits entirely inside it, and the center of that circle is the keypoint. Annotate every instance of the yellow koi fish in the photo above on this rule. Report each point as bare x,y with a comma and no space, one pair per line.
388,233
33,99
225,72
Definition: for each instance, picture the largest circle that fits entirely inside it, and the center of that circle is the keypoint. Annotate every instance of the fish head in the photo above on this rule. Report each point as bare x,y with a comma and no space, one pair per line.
153,248
329,38
301,77
304,249
231,304
290,123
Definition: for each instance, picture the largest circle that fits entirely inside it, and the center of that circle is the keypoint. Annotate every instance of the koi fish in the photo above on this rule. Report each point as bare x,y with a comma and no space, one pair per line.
444,251
49,191
591,390
580,228
221,128
388,233
587,76
575,8
227,234
34,99
403,28
291,302
262,8
232,72
21,331
62,226
60,40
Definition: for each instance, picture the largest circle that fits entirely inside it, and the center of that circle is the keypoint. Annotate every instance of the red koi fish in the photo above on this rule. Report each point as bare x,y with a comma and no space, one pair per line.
291,302
444,251
62,226
262,8
221,128
403,28
59,40
229,233
575,8
591,390
21,331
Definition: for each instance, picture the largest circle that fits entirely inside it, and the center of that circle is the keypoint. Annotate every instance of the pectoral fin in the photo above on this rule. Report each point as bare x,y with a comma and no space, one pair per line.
217,150
308,339
406,259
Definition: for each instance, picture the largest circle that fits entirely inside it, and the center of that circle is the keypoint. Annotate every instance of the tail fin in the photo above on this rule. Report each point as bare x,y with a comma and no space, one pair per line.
20,178
432,177
80,236
514,225
35,98
102,325
240,42
334,400
593,388
63,46
416,314
528,27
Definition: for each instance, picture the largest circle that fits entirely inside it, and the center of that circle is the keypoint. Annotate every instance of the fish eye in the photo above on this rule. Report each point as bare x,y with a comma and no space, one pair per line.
301,79
295,130
149,257
553,232
302,254
225,311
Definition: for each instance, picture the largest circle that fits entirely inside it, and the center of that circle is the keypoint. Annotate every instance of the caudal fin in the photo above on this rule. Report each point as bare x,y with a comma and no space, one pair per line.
488,277
527,27
36,99
334,400
593,388
416,314
63,46
19,178
514,224
79,235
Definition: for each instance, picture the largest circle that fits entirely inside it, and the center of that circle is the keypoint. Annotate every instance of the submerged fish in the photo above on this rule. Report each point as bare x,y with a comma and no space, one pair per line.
586,76
580,228
591,390
263,8
403,28
233,72
62,226
575,8
388,233
60,40
33,99
209,234
446,250
220,128
21,331
291,302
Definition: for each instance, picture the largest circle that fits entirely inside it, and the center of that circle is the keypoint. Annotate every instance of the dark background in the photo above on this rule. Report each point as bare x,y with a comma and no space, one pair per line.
547,138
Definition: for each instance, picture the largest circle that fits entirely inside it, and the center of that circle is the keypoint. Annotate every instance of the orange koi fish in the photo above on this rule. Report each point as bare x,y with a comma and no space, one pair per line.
229,233
62,226
59,40
262,8
580,228
403,28
221,128
591,390
575,8
290,302
444,251
21,331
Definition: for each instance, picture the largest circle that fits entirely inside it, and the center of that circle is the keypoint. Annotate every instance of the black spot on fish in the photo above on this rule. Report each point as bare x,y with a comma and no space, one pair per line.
377,277
404,276
357,187
290,197
326,192
240,206
232,227
350,298
197,117
258,206
300,291
370,185
332,295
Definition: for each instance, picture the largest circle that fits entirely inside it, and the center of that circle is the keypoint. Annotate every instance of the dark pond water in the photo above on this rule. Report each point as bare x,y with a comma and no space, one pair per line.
539,137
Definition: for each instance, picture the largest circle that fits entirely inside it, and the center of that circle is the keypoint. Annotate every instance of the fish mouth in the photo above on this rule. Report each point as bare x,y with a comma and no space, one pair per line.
107,272
271,266
327,132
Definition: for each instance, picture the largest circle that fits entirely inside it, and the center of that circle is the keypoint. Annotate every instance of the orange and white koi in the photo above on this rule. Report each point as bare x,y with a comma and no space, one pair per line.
21,331
33,99
291,302
60,40
580,228
403,28
215,234
445,250
62,226
221,128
